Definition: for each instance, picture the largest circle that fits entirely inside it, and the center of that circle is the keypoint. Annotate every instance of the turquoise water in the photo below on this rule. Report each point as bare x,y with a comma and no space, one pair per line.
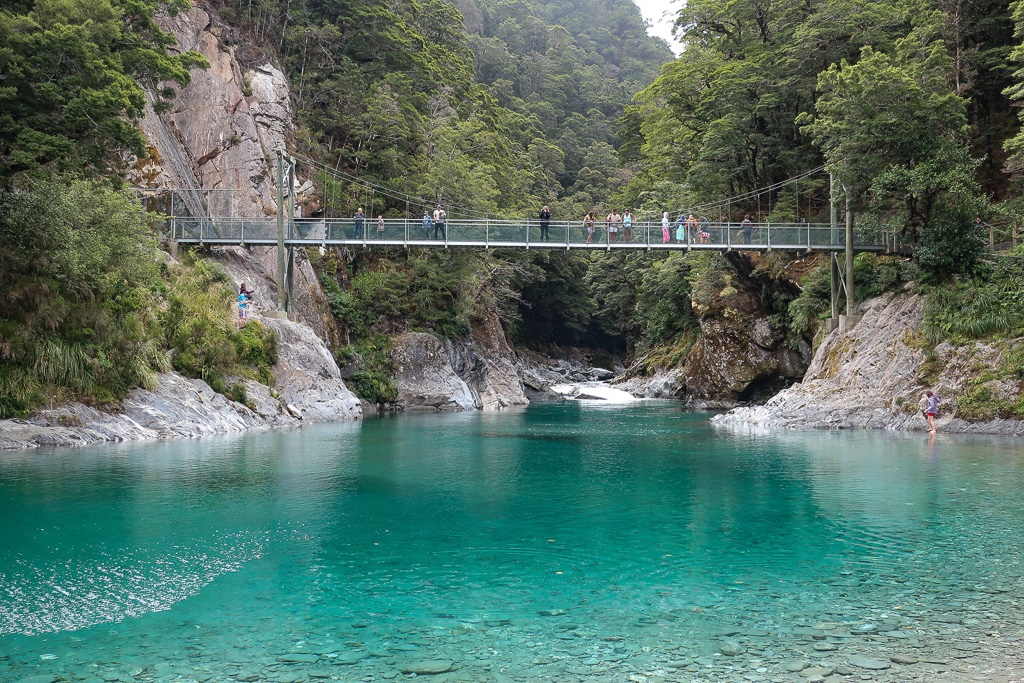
563,541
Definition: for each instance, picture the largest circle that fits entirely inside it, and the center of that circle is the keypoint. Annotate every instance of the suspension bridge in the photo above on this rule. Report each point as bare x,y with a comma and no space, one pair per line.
466,228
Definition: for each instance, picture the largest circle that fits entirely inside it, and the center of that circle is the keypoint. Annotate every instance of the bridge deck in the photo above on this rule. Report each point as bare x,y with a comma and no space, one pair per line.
518,235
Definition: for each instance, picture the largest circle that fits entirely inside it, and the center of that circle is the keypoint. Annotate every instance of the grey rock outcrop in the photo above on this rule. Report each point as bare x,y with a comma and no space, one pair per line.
486,363
872,377
178,407
424,375
739,356
664,383
478,372
308,377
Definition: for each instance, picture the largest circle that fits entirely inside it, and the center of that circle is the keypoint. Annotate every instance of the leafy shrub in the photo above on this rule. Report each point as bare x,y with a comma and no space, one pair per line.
950,245
239,393
256,349
375,387
345,355
80,279
198,322
373,382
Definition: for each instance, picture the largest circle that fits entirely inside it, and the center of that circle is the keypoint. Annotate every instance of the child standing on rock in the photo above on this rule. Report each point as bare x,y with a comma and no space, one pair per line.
931,410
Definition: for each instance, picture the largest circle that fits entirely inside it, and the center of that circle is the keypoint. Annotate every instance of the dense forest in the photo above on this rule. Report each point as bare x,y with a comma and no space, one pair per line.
501,106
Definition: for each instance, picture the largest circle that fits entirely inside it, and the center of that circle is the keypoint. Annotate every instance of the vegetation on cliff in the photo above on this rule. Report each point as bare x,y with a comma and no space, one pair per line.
501,106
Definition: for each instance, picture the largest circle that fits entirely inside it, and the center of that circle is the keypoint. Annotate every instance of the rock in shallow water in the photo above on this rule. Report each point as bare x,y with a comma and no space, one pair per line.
868,663
428,667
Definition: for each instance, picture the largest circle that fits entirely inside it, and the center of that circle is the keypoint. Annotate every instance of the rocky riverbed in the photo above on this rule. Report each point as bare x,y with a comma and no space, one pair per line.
861,627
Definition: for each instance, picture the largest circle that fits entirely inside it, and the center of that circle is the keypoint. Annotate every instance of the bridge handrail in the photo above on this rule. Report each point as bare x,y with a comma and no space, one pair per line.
521,231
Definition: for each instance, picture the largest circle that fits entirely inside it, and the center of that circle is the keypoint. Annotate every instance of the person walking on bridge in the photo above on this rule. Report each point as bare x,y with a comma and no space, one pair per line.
665,236
680,226
426,224
439,222
357,224
627,226
545,221
380,227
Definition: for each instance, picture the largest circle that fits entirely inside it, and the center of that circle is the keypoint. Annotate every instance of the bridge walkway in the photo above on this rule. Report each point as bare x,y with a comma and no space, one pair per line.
520,234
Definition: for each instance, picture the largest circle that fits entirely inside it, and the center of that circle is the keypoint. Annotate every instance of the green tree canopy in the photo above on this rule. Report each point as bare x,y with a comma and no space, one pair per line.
72,74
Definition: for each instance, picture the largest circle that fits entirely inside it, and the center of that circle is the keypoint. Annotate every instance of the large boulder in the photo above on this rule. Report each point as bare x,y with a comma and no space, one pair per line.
424,376
486,363
307,375
740,355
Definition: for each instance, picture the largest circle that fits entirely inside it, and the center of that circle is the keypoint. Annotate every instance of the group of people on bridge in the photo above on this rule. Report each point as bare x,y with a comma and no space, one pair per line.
687,228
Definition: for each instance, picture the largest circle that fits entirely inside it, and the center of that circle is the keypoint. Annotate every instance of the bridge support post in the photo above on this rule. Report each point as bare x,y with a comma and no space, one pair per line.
282,293
849,257
833,214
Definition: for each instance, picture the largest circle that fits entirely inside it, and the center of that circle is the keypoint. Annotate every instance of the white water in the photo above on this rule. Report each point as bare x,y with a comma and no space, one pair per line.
596,392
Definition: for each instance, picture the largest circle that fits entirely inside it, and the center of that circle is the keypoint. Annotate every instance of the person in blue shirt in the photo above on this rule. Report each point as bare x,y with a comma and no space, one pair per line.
427,222
244,297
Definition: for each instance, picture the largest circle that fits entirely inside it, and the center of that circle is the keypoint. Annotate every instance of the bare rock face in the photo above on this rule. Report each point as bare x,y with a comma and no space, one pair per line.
476,373
872,376
223,127
177,407
307,376
740,354
221,135
486,363
424,374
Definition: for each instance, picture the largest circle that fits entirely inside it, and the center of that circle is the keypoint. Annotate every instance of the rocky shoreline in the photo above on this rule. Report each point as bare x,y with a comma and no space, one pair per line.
873,375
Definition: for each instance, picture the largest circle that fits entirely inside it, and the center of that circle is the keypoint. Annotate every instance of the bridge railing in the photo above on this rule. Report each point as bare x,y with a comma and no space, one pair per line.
512,232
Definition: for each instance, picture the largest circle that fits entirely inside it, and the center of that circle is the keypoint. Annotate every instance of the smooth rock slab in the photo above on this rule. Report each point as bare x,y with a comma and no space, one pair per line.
730,648
822,671
299,658
904,659
824,647
427,668
795,665
868,663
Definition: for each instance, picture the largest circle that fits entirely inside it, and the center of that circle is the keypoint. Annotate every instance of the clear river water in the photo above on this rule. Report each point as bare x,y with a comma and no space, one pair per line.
565,541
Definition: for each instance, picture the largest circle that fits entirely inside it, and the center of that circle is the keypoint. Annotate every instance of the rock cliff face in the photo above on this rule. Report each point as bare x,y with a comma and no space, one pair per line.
873,377
474,373
307,377
217,146
740,355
